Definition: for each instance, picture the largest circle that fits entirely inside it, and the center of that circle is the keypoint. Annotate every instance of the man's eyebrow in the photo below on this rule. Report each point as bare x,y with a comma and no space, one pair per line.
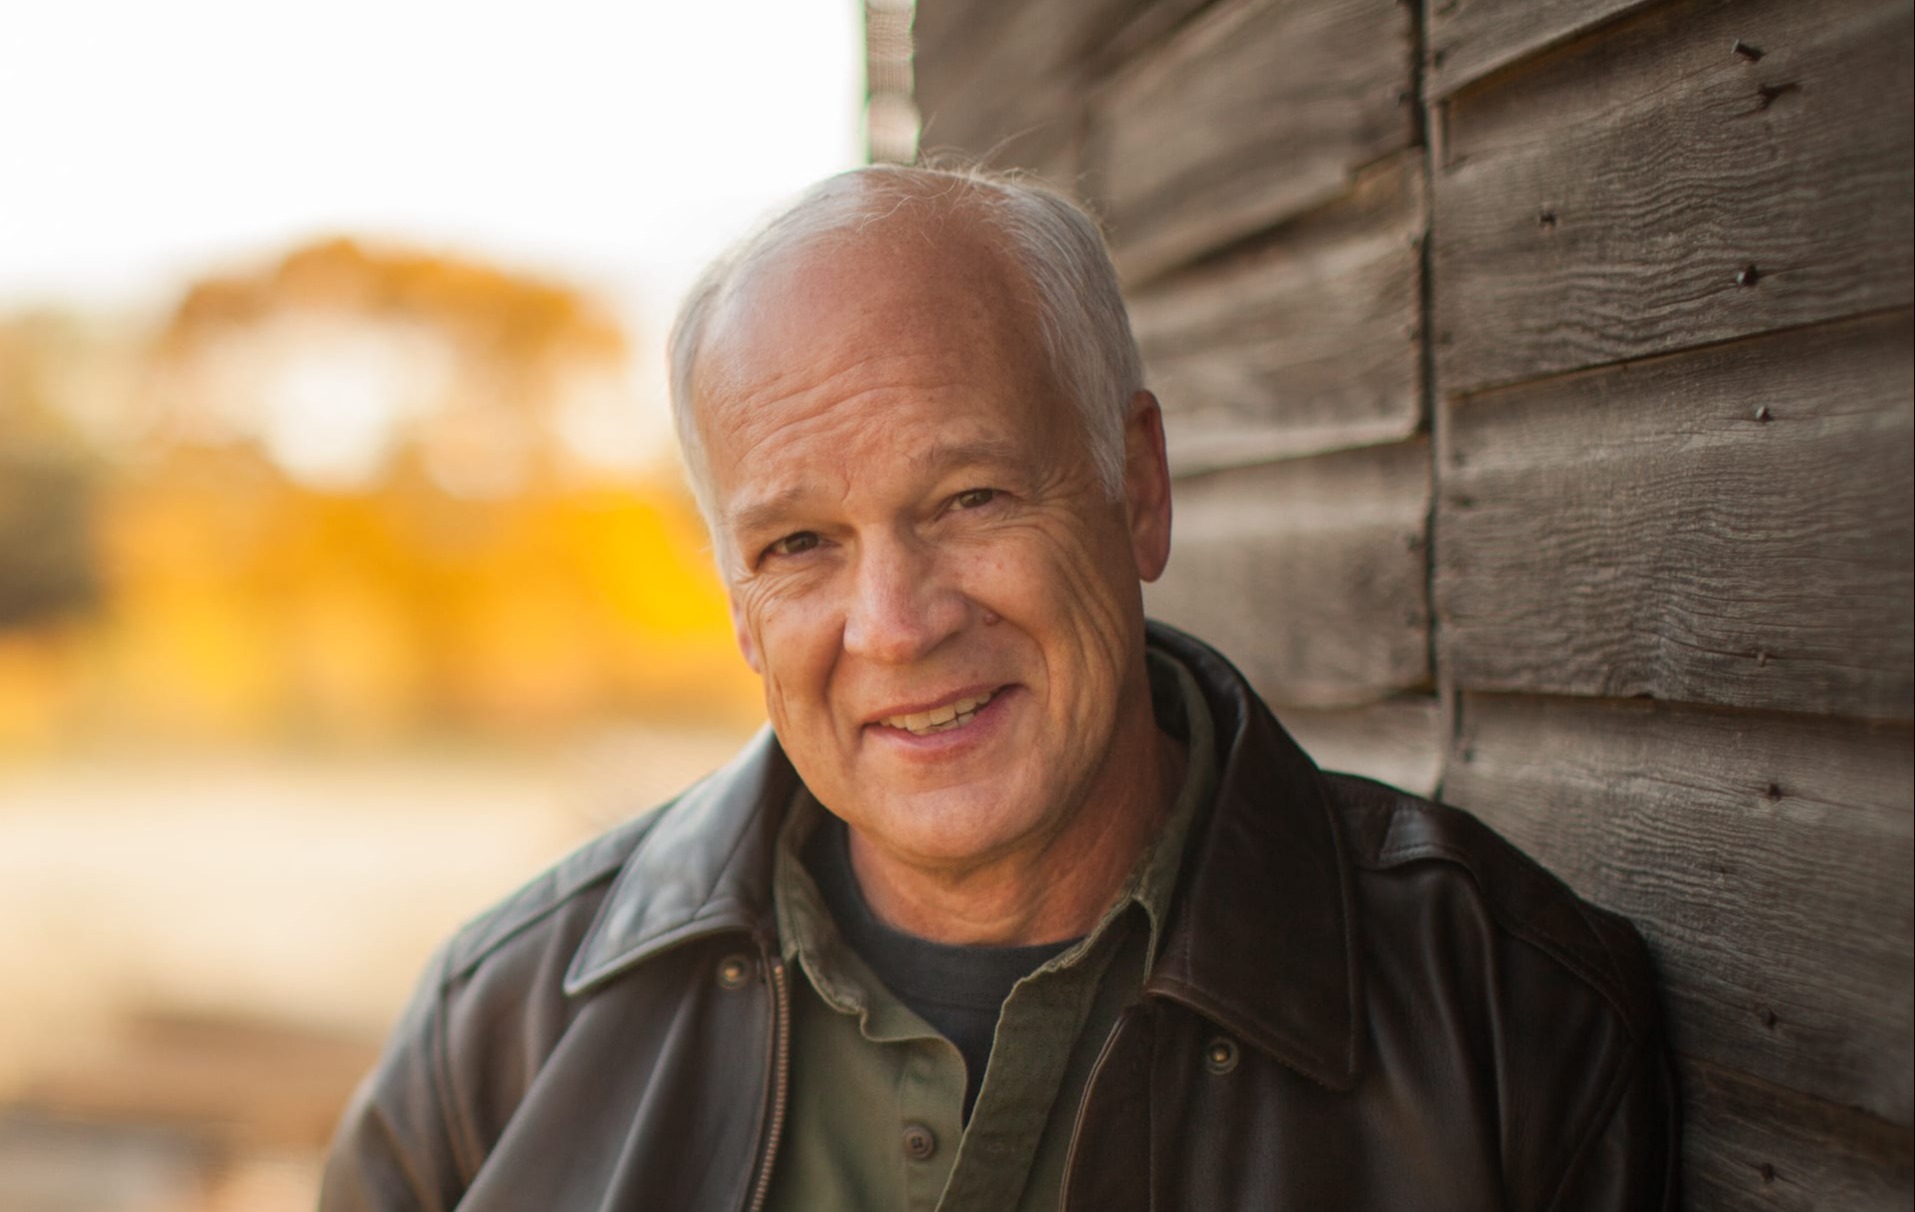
758,514
964,454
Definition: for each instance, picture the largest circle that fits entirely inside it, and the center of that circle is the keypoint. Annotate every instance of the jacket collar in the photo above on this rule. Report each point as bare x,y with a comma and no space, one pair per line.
703,868
1261,940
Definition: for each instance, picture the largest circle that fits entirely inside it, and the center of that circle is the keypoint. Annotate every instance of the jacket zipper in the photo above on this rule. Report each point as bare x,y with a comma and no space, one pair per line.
781,1077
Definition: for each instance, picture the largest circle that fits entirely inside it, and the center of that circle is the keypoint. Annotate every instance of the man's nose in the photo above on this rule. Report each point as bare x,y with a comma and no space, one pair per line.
903,604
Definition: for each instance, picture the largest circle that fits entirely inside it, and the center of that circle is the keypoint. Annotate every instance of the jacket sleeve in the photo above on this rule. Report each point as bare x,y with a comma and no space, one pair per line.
1630,1160
395,1148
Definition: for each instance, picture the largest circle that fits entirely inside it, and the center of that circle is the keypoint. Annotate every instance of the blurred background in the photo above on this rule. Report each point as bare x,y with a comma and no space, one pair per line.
346,578
346,573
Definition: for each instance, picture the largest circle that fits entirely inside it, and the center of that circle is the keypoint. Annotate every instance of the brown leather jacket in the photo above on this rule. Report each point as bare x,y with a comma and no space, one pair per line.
1365,1001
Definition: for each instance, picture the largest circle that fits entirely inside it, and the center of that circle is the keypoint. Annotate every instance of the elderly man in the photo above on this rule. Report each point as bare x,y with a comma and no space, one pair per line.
1023,902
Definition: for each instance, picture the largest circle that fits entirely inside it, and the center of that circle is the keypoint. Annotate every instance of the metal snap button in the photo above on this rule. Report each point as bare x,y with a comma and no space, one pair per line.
734,971
1220,1054
919,1142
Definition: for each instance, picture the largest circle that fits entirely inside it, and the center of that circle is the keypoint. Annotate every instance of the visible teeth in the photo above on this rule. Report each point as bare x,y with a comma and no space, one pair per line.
939,719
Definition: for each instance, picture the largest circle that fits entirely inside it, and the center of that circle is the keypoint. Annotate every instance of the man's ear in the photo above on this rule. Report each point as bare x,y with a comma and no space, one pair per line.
742,634
1147,486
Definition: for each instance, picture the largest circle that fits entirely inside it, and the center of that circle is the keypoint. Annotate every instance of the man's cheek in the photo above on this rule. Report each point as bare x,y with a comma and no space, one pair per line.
778,706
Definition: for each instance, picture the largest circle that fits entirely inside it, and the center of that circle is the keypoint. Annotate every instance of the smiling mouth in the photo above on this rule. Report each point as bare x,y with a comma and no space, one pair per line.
939,719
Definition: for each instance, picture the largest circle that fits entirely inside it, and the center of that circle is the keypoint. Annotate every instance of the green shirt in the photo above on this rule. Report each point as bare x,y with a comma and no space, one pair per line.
877,1096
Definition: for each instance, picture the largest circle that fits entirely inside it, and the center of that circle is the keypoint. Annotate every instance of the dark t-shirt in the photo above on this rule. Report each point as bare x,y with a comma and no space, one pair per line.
957,990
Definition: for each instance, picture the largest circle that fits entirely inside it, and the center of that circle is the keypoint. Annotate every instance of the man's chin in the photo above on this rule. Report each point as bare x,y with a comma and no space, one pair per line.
948,828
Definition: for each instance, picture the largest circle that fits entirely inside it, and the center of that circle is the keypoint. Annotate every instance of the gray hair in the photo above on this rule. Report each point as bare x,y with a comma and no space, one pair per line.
1081,318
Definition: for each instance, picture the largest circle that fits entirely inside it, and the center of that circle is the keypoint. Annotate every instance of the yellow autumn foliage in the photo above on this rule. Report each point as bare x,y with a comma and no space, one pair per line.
238,601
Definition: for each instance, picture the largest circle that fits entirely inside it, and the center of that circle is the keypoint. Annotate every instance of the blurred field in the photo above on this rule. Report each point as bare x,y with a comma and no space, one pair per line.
204,952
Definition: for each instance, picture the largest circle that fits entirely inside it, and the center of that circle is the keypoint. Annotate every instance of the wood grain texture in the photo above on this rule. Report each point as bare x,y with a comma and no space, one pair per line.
1601,204
1006,82
1397,741
956,31
1153,23
1470,38
1640,530
1302,345
1767,859
1751,1145
1309,573
1253,112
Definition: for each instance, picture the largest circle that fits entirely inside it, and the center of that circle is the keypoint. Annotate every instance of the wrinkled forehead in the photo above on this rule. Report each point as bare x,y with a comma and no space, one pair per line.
924,280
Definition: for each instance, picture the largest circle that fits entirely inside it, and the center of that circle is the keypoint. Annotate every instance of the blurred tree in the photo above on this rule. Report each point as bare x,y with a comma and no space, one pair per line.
349,508
44,477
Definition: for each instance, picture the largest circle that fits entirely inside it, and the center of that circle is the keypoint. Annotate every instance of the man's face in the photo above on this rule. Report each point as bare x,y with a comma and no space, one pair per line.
925,569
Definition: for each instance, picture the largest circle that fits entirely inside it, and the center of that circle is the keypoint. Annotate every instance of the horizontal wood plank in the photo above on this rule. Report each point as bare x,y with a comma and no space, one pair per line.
1470,38
1153,23
1005,83
1748,1144
1732,525
1651,189
1253,112
1308,573
1397,741
948,35
1303,345
1767,859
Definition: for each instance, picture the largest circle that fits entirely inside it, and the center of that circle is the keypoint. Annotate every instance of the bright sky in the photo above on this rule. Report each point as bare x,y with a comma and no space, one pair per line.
616,144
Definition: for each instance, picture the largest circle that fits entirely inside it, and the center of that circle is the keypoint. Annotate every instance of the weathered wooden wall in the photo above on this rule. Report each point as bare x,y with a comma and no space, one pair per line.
1540,389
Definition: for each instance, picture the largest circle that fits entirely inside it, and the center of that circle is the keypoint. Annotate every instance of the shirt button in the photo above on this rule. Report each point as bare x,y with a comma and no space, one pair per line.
919,1142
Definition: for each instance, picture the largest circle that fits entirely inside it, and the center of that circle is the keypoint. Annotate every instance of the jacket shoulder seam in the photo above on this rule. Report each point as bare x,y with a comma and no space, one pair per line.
1593,962
1600,973
593,864
1600,976
457,1128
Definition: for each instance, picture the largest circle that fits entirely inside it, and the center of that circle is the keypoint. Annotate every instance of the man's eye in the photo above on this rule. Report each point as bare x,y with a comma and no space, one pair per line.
793,544
973,498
